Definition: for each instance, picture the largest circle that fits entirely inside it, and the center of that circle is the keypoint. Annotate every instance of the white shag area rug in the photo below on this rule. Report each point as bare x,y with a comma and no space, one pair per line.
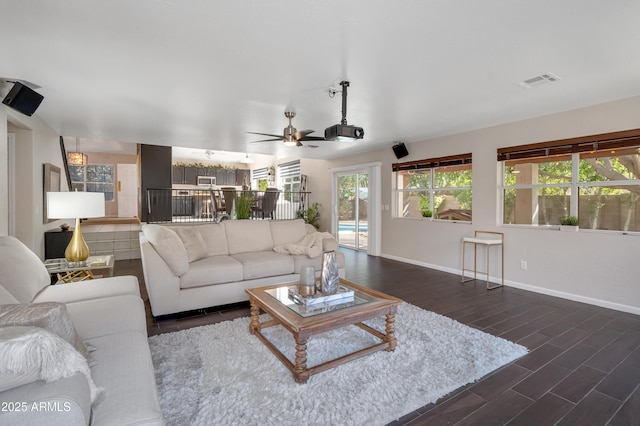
221,375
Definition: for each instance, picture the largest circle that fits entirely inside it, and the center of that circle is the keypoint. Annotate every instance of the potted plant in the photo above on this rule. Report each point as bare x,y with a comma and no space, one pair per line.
310,215
243,205
569,223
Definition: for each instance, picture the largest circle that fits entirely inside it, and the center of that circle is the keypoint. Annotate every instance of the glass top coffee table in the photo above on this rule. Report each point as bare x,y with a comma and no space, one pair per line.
305,321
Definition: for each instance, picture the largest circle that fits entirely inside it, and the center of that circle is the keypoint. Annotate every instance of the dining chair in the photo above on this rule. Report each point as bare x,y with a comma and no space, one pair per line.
267,205
218,202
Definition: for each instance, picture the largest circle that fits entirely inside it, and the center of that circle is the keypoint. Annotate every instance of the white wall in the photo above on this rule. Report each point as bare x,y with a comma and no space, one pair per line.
319,184
4,189
595,267
36,144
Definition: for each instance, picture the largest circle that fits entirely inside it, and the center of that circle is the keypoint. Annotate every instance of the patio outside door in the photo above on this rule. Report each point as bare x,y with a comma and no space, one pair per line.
353,206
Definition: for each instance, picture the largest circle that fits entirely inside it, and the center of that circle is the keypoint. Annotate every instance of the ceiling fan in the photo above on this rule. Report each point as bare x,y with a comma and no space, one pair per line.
290,135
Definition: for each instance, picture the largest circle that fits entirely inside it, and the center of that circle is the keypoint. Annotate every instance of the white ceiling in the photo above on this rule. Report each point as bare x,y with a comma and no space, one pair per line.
202,73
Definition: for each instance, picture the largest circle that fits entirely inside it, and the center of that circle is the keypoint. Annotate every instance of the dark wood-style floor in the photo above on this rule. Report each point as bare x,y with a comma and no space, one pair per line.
583,367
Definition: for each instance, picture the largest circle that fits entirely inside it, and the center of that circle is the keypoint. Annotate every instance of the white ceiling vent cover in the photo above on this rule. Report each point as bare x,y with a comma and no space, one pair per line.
538,80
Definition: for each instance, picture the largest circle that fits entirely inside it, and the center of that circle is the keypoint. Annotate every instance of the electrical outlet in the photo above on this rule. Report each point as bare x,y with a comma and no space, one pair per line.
523,265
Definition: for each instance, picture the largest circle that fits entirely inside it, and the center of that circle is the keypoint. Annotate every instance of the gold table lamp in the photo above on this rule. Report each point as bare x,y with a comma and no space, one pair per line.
69,205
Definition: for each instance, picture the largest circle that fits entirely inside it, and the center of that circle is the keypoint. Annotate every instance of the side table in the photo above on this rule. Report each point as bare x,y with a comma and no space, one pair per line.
79,271
487,239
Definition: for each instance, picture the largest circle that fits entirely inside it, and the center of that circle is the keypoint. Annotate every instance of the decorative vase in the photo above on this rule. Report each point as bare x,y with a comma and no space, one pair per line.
329,278
307,280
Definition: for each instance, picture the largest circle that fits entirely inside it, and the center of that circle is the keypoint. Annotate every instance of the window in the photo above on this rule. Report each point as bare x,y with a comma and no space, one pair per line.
94,178
289,175
597,178
437,187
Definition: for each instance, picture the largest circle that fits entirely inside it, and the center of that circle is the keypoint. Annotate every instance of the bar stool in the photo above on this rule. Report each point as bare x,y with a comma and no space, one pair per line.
487,239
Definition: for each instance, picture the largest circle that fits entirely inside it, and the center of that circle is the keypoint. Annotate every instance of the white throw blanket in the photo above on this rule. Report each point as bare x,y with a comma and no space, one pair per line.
310,245
24,349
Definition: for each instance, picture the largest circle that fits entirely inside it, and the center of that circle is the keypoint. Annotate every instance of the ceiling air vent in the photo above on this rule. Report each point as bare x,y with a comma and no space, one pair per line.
538,80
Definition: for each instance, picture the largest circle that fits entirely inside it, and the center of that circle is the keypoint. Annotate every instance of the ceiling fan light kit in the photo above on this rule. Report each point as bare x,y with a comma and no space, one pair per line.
339,132
342,131
290,135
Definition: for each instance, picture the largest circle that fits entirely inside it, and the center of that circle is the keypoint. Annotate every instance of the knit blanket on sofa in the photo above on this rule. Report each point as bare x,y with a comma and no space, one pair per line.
310,245
37,353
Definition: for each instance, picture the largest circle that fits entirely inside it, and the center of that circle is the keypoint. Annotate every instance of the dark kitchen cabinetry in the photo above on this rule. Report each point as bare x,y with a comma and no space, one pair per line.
207,171
182,205
241,175
184,175
226,177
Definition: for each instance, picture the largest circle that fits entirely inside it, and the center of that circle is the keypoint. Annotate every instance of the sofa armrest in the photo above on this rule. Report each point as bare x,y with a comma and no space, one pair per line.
163,286
329,244
88,290
109,315
62,402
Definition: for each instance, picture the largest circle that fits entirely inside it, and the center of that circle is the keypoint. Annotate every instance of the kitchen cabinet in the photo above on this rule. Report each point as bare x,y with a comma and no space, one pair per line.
207,171
241,174
184,175
182,205
226,177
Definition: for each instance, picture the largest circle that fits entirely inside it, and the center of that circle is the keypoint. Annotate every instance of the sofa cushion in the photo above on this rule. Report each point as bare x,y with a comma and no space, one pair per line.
193,242
13,380
264,264
287,231
125,370
71,394
50,316
169,246
245,236
301,260
212,270
215,237
23,273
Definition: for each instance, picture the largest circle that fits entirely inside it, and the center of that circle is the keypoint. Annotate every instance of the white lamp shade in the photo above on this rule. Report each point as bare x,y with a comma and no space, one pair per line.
71,205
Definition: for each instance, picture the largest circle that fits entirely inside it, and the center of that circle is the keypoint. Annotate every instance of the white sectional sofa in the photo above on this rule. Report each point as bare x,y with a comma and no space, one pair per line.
193,266
108,315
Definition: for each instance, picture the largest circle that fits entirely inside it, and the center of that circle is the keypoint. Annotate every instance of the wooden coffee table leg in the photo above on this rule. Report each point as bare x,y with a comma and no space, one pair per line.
390,329
255,313
300,372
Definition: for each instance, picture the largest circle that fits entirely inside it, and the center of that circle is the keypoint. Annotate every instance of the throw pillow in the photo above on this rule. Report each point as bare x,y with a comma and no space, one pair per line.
169,246
24,350
51,316
193,242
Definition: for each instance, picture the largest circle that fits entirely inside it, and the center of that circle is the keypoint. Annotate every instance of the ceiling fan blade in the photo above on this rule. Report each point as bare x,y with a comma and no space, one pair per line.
312,138
268,140
302,133
266,134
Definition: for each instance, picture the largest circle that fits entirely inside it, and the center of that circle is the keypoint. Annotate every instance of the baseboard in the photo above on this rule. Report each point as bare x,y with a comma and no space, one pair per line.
528,287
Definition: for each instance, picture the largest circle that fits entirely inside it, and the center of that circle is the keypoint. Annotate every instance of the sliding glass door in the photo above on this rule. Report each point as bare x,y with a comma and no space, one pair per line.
353,207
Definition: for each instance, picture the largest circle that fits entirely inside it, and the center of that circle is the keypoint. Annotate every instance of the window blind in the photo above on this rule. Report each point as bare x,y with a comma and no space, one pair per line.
452,160
289,169
258,174
600,142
